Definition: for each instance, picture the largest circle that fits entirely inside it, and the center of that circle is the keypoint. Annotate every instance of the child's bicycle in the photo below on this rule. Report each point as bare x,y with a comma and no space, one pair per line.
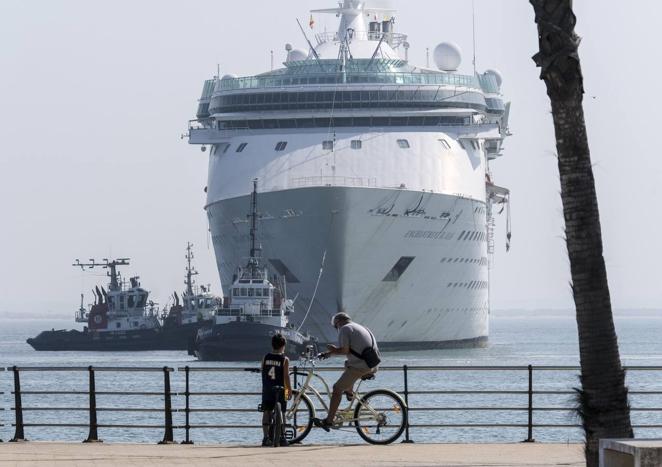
379,416
276,425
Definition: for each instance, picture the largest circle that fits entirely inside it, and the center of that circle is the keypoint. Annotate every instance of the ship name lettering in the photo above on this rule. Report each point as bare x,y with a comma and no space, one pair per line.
425,234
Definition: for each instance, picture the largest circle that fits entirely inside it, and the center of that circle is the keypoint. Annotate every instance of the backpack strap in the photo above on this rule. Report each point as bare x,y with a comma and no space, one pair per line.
372,345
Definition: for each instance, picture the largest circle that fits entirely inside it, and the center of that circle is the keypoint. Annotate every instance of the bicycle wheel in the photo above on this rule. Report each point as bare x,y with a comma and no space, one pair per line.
380,417
299,419
278,425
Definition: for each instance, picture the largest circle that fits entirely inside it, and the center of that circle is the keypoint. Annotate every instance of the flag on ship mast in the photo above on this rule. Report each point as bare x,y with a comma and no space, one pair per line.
311,23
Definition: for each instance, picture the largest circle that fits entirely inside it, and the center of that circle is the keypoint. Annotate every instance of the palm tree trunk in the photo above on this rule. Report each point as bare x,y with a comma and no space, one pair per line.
603,397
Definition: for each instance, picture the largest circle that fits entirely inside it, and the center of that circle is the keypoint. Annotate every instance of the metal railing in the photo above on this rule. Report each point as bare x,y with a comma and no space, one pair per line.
524,380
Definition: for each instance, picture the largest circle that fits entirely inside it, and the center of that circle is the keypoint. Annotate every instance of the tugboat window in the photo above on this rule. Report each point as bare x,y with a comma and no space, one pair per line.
281,145
243,292
241,147
235,292
118,325
403,143
398,269
445,144
356,144
130,301
327,145
250,292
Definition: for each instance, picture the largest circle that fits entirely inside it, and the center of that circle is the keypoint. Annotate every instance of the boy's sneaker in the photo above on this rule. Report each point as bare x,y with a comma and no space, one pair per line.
266,442
323,424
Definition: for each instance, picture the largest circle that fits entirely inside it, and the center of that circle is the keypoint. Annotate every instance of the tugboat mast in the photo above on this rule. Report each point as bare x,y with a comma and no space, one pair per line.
190,271
112,265
254,254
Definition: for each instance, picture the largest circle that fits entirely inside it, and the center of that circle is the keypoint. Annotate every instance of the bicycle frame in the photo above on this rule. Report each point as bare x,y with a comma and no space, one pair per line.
345,415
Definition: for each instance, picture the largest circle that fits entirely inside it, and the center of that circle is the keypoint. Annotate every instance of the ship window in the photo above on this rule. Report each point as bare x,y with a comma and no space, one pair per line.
403,143
241,147
398,269
283,270
445,144
462,144
327,145
118,325
356,144
225,148
235,292
250,292
243,292
281,145
135,324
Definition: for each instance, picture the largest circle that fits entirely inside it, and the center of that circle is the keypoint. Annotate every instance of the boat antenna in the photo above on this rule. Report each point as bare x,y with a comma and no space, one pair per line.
473,21
310,44
255,250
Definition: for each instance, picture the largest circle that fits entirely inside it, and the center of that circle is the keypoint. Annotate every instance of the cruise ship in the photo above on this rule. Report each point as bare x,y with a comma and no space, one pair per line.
376,196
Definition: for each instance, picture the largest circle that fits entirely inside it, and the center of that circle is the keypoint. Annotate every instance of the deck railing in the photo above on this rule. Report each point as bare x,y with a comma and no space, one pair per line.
524,380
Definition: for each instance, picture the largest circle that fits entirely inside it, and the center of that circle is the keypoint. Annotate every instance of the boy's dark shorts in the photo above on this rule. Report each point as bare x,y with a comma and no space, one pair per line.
269,401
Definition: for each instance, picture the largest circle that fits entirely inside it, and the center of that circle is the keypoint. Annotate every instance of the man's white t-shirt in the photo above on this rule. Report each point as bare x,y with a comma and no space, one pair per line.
358,338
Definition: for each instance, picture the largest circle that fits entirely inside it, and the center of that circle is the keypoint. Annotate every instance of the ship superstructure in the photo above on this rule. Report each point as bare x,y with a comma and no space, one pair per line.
373,171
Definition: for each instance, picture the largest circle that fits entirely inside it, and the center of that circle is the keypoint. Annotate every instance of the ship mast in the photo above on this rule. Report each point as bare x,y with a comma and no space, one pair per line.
190,271
111,265
255,249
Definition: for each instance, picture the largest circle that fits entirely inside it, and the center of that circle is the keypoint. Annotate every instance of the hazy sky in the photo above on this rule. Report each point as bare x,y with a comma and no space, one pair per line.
94,96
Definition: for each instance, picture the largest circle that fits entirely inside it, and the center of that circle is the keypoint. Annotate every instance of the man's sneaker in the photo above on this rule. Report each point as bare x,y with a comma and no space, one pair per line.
266,441
283,442
323,424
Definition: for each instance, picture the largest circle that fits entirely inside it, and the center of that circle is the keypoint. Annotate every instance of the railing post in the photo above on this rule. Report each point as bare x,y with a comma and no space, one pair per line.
529,438
187,409
93,436
167,436
407,439
19,434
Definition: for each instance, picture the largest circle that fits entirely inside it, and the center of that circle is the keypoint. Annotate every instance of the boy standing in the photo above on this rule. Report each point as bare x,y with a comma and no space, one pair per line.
275,372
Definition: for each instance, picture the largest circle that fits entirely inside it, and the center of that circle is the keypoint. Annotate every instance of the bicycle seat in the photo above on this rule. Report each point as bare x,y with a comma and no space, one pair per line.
368,377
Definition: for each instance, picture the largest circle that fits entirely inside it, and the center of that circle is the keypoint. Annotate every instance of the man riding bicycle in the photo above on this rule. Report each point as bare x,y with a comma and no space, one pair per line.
358,343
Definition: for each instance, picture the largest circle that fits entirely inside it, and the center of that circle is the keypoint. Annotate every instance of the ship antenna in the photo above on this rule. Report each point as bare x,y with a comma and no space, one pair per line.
473,21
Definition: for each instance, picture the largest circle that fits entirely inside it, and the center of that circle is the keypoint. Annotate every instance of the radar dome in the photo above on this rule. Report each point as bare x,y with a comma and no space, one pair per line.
497,76
227,77
296,55
447,56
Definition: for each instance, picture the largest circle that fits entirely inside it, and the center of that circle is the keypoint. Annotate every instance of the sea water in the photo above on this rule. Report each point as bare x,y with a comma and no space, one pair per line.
517,338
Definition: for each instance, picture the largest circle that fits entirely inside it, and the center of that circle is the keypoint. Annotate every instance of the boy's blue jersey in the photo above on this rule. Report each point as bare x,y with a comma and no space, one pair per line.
273,372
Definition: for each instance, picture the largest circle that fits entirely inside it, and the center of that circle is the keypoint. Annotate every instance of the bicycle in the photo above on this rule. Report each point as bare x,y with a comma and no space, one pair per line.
276,420
379,416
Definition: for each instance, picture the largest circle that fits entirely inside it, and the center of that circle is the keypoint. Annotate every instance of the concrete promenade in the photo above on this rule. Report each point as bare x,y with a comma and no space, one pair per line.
66,454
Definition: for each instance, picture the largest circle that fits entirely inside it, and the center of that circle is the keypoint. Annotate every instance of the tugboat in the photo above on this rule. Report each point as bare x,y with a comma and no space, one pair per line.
195,309
254,311
123,318
120,318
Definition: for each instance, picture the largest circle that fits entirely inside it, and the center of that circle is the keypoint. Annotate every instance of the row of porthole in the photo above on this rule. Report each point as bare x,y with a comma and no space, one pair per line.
447,310
469,285
329,145
479,261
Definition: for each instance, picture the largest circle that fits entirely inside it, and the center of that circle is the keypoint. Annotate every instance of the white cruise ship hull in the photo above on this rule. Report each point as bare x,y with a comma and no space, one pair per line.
358,237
